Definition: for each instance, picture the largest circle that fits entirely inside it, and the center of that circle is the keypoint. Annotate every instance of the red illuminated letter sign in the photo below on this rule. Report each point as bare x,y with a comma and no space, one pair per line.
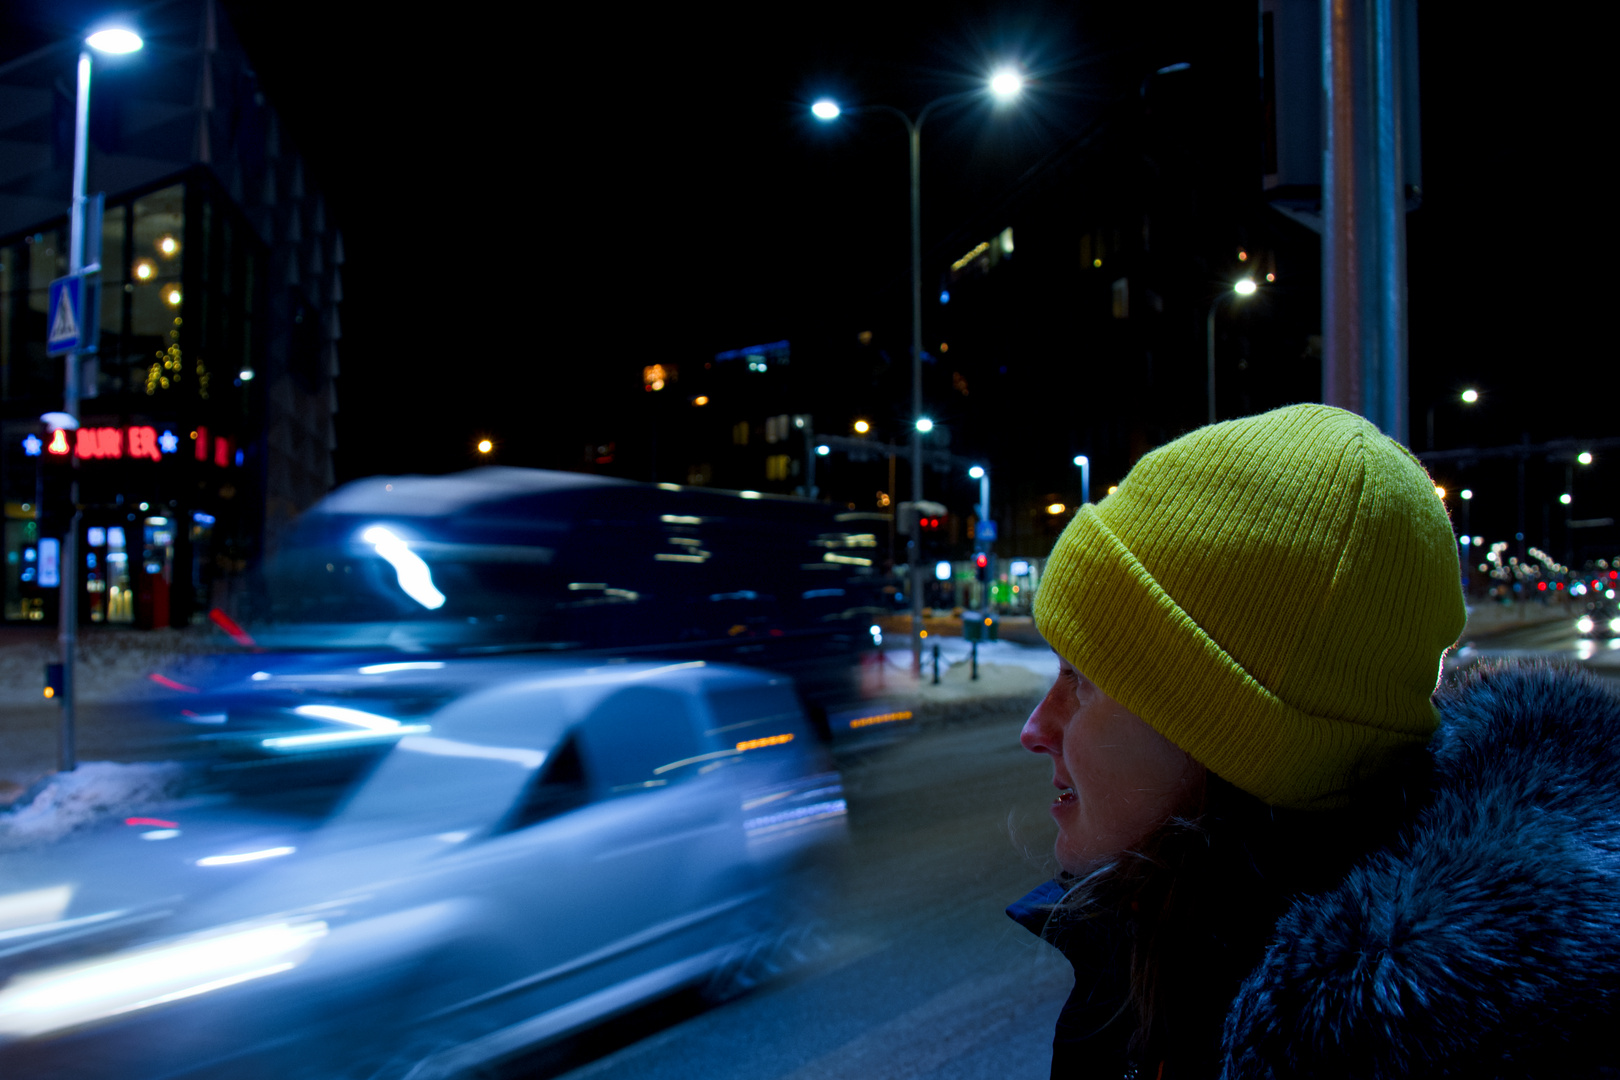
111,441
202,443
222,452
143,443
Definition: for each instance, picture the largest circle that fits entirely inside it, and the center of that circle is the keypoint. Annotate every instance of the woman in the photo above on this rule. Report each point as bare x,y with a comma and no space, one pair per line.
1283,855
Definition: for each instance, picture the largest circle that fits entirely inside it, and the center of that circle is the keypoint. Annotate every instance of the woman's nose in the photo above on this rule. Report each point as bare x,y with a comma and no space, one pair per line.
1039,736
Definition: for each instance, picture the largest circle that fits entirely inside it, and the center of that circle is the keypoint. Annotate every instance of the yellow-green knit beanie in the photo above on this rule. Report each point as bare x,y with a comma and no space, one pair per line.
1272,594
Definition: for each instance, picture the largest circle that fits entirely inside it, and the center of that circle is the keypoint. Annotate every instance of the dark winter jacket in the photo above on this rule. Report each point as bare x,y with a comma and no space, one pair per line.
1483,942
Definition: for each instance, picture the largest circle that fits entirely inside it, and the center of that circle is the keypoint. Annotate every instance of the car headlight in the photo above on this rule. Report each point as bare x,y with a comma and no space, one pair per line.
67,996
1584,624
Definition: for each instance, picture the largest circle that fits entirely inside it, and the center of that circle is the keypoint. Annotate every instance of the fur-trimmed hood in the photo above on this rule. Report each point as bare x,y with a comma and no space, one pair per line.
1486,942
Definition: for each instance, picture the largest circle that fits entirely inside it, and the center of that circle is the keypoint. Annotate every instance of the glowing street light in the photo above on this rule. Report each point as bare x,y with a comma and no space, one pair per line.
862,427
1470,396
1055,509
1584,457
826,109
1565,499
924,425
1466,494
1245,287
976,472
114,40
1006,83
485,446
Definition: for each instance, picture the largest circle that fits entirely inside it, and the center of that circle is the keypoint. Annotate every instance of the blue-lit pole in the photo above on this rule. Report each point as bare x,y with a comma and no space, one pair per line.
1085,477
1244,287
115,41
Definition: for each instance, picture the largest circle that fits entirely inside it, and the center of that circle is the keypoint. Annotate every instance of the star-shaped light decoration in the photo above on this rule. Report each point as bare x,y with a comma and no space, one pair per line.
32,445
168,442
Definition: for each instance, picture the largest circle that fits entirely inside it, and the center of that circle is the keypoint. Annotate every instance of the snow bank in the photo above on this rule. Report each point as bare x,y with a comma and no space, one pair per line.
93,792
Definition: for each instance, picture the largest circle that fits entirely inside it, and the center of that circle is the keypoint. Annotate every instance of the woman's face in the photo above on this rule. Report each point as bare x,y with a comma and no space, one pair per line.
1118,779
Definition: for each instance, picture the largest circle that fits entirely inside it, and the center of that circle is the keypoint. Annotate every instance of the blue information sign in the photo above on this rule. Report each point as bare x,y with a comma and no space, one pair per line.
985,531
68,330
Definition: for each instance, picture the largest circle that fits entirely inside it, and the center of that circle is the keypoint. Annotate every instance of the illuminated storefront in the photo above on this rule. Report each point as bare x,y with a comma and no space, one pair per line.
166,450
207,421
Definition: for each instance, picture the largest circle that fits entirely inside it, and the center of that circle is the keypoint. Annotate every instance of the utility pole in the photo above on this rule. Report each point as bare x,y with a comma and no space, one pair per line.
1364,364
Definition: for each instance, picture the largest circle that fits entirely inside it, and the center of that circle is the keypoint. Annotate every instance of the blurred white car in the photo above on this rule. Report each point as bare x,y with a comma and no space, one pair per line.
414,868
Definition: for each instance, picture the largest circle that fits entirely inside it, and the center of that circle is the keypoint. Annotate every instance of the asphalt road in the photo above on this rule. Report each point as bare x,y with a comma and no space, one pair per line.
1556,641
918,972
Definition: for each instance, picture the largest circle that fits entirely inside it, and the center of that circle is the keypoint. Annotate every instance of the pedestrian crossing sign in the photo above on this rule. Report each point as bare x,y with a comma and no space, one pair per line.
71,328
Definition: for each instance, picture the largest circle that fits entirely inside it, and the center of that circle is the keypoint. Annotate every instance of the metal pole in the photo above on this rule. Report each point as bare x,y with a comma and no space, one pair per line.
68,620
1209,351
1085,479
1364,359
914,554
809,458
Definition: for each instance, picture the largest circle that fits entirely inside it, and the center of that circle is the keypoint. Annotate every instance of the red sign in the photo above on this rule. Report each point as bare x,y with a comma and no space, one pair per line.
98,442
59,443
136,441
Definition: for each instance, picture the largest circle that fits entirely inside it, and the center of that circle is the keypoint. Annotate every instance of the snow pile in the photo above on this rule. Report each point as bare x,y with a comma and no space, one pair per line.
93,792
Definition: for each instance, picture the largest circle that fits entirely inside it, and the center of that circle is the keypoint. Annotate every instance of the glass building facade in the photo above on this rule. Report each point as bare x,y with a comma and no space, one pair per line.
207,421
168,455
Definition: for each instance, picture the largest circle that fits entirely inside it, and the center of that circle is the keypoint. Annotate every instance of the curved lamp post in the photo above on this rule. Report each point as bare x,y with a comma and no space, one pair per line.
1003,84
113,40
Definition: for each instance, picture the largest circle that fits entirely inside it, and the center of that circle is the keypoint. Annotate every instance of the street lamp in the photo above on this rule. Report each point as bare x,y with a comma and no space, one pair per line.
1003,84
1085,477
114,40
1241,288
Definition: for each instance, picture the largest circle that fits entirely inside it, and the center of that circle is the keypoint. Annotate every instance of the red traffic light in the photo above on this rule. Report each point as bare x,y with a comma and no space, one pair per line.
981,560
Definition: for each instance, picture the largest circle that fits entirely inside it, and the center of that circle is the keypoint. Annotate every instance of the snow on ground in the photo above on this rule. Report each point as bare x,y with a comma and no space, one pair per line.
95,791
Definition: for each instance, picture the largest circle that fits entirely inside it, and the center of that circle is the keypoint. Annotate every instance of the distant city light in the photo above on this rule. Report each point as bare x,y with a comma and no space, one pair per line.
1465,540
485,446
823,450
1243,256
1584,457
942,571
826,109
976,472
1096,263
173,297
143,269
246,374
1466,493
1271,277
945,296
114,40
701,399
924,424
1244,287
1440,491
1006,83
1565,499
1112,488
1470,395
1056,508
1081,459
862,427
168,245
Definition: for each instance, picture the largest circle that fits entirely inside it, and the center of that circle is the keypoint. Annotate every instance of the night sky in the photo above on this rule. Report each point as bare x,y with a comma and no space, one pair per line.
537,204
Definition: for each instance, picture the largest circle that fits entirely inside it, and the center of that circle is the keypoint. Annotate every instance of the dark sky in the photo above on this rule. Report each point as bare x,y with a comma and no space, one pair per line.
539,201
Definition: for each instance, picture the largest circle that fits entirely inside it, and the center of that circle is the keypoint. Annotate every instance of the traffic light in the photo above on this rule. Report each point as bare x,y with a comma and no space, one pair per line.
981,566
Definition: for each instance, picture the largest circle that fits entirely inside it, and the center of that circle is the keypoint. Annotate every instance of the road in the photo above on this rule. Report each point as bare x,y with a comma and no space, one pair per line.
1556,641
922,975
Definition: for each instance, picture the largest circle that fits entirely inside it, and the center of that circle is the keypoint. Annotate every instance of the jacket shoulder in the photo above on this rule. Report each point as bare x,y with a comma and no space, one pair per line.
1486,940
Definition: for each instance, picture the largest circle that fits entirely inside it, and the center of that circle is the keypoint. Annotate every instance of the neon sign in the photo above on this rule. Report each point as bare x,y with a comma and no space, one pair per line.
139,441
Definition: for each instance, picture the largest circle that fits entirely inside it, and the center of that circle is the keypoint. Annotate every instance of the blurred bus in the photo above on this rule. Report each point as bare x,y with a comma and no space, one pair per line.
505,560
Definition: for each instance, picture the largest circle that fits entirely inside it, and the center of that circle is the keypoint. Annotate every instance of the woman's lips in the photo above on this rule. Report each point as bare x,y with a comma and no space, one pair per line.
1065,796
